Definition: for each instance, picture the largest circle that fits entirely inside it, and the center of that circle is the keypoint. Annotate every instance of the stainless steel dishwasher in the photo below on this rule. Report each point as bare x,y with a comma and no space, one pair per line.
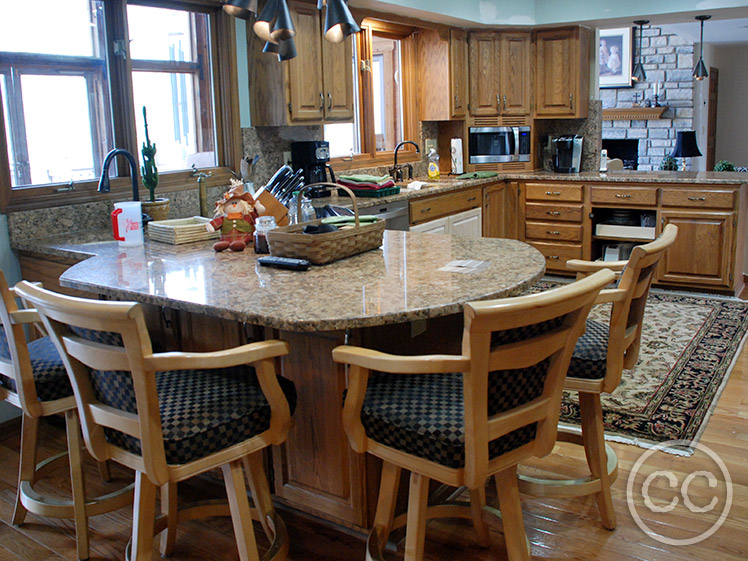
395,214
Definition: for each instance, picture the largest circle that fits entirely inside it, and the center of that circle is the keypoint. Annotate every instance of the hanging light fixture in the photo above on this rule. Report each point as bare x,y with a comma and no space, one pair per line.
286,50
241,8
339,22
282,28
699,71
639,75
263,25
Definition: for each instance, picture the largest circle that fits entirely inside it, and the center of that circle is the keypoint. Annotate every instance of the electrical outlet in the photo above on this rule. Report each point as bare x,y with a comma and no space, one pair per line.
430,143
286,157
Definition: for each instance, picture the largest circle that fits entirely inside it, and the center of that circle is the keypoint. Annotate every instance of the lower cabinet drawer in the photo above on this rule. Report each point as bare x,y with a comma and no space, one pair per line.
553,231
544,211
423,210
624,195
699,199
556,254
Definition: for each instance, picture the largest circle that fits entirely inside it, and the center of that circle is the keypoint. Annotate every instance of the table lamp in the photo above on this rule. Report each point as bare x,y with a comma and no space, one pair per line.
685,147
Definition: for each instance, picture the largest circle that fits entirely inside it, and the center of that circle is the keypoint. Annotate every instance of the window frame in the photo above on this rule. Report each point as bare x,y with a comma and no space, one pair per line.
369,156
225,92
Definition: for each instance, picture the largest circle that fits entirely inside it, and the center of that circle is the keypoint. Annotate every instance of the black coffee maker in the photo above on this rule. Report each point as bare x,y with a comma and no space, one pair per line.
312,157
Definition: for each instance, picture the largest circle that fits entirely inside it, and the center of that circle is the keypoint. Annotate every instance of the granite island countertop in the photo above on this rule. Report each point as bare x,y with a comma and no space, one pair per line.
402,281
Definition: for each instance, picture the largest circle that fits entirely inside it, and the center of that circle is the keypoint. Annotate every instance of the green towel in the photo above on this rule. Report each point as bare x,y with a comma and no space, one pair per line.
478,175
364,178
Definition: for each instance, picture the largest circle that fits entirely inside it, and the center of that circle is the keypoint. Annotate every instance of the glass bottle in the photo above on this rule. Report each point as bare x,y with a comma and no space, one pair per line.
307,210
293,214
262,225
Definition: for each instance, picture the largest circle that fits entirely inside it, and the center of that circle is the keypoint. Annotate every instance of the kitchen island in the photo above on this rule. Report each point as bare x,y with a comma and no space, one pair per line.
397,298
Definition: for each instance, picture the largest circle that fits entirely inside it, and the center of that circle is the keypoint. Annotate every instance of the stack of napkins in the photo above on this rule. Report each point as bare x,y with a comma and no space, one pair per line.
364,181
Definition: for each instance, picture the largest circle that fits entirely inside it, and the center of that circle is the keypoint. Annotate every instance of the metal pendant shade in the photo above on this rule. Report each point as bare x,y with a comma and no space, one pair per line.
286,50
639,75
339,22
282,28
262,27
699,71
685,145
241,8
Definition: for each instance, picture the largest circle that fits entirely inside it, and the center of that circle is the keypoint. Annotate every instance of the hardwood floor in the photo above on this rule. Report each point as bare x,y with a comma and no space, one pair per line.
557,528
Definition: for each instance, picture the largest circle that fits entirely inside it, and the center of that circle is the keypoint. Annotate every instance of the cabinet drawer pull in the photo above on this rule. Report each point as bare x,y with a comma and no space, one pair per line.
620,196
553,257
553,213
471,199
425,209
553,193
553,232
696,198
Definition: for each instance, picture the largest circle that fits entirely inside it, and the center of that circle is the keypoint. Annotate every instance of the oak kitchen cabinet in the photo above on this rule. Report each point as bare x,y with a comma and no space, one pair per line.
562,79
442,59
457,213
315,87
501,210
500,74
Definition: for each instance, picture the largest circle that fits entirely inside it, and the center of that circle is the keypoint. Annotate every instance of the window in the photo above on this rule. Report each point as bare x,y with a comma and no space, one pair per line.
70,93
384,60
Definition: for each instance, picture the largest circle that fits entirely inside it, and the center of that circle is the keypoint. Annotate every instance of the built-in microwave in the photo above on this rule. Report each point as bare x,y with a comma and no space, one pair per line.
498,144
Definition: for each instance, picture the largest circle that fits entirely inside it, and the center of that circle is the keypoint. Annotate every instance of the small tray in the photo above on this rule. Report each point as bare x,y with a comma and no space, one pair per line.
180,230
371,193
320,249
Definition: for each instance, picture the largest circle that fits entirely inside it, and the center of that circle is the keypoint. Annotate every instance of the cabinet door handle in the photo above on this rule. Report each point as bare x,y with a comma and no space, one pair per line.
620,196
553,232
457,101
571,101
321,101
696,198
329,100
498,101
504,102
553,213
553,257
553,193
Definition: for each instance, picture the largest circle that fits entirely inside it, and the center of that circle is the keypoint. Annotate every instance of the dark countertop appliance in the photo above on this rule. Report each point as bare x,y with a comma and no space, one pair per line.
312,157
567,153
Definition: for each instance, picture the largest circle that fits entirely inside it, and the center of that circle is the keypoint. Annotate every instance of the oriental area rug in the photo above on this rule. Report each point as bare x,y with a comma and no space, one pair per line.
688,348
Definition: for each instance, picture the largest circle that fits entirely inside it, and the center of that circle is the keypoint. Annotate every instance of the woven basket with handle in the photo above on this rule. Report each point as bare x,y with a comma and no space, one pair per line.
319,249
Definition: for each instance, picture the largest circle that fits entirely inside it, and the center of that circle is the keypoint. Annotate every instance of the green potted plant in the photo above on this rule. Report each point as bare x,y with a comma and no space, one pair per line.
668,163
156,208
724,165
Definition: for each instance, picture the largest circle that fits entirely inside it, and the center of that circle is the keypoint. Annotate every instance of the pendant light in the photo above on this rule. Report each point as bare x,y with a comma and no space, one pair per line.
339,22
283,25
699,71
262,26
241,8
286,50
639,75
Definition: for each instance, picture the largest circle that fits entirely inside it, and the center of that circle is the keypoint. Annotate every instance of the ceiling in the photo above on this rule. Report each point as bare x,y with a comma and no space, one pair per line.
716,32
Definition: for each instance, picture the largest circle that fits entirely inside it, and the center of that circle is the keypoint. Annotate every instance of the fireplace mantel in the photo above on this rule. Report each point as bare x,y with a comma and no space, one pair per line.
633,113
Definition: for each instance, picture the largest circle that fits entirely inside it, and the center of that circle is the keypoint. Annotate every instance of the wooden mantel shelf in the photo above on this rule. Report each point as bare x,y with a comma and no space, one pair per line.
633,113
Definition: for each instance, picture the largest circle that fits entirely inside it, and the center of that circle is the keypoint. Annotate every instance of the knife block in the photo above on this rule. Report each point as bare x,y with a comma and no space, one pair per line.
273,207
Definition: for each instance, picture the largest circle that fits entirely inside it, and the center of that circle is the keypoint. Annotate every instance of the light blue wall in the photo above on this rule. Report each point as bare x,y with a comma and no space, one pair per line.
242,73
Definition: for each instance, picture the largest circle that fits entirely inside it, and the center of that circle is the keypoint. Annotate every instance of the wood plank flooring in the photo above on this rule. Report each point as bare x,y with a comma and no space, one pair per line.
557,528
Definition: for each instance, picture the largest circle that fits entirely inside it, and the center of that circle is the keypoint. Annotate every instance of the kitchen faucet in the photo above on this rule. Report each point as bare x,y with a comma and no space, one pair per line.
396,171
104,180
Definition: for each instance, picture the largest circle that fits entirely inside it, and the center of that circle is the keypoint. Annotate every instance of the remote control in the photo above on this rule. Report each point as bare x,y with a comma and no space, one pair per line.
284,262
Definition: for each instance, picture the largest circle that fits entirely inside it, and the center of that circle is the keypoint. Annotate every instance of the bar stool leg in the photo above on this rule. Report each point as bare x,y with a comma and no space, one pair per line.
477,502
170,508
258,486
415,535
593,435
511,515
76,479
241,515
144,514
27,468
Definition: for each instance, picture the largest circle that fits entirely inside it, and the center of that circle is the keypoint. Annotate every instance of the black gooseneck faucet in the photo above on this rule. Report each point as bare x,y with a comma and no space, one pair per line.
396,171
104,181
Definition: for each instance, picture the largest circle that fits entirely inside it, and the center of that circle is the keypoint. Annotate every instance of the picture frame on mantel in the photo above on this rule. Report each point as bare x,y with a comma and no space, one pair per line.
615,57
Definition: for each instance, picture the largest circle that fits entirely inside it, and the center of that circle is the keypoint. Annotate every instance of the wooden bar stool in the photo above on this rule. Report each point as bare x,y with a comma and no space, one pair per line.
596,367
170,416
33,378
462,419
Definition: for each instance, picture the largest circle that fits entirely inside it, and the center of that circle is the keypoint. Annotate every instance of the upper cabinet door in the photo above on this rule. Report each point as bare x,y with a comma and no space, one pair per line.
458,72
337,70
562,66
515,72
484,73
307,99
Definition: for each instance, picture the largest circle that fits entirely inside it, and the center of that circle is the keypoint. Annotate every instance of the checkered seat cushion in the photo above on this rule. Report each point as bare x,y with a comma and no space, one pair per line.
50,377
202,411
590,353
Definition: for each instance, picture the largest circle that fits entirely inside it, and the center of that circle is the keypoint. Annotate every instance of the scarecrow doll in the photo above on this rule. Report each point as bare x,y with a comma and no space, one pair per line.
234,217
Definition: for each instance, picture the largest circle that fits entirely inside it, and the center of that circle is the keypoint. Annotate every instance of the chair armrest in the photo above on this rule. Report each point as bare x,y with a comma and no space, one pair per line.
587,267
610,295
25,316
218,359
400,364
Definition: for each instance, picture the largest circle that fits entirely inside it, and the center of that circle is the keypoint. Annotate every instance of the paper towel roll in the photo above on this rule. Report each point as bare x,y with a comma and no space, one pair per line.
456,149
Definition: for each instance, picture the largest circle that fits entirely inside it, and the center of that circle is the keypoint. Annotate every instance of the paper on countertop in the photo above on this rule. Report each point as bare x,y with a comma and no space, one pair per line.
416,185
465,266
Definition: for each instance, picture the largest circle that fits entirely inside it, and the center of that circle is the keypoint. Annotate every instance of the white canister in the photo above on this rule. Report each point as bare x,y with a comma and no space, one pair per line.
127,223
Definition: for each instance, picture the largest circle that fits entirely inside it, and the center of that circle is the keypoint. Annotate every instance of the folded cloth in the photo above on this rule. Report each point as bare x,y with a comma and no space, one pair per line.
478,175
354,185
364,178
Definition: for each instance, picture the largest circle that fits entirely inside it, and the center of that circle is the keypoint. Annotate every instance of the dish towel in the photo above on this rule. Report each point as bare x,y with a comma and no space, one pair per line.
478,175
364,178
366,185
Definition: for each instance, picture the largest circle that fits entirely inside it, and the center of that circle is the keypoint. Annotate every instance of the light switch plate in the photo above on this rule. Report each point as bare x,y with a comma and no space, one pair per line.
430,143
287,157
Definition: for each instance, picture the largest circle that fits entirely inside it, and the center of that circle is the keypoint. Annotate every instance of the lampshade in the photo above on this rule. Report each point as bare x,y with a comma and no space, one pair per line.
241,8
699,71
286,50
262,26
685,145
339,22
282,27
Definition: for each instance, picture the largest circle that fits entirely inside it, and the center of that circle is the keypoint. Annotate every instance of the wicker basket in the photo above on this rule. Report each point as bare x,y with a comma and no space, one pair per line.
290,241
180,230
